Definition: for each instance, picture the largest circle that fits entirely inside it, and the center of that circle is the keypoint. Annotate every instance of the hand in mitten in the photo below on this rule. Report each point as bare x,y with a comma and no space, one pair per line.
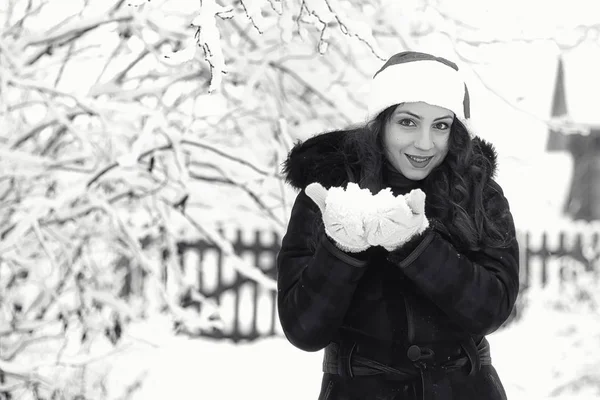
394,220
343,214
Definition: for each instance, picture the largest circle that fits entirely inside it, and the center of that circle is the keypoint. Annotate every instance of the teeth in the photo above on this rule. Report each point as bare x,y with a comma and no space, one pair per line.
418,159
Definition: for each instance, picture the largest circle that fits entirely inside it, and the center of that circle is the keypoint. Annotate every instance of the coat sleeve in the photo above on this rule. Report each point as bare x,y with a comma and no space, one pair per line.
315,286
479,291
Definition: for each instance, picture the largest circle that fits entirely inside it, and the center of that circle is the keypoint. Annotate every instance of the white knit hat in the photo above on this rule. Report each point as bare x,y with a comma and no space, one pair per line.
412,77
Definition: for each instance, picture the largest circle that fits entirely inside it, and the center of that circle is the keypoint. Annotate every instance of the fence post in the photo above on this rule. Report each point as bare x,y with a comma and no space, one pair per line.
200,267
220,267
257,250
274,250
545,254
527,261
238,246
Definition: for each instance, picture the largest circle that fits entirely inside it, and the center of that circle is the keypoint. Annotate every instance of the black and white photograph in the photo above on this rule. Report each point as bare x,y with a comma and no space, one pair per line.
299,199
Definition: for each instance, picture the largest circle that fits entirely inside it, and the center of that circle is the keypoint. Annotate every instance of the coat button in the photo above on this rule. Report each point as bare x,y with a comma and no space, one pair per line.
414,353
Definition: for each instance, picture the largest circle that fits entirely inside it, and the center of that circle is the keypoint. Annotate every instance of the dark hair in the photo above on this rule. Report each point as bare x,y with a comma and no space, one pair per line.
459,190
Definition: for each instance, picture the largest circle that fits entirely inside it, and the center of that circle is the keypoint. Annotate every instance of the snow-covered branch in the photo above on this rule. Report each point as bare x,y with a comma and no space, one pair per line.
22,372
76,29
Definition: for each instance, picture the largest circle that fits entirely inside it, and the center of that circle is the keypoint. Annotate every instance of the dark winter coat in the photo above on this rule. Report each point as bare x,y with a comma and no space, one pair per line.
380,303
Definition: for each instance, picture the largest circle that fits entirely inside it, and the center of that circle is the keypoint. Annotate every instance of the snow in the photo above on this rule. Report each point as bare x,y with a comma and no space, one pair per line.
549,350
551,353
198,368
209,38
534,357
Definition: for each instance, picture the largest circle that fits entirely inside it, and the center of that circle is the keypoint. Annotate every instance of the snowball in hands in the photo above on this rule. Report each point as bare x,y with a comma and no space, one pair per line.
357,220
343,214
393,220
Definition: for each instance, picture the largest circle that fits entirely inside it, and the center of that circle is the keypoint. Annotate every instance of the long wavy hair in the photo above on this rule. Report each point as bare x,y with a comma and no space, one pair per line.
458,190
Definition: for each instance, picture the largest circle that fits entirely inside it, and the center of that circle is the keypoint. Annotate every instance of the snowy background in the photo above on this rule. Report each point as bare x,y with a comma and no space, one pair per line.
128,127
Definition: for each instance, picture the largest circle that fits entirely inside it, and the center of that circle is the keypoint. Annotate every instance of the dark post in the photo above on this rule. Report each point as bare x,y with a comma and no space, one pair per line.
274,251
236,315
257,250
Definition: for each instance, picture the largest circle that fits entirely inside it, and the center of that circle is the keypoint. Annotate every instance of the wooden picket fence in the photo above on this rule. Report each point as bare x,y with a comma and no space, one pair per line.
547,259
249,311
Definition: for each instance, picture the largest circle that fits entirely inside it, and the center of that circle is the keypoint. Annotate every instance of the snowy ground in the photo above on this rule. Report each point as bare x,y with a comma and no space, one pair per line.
552,353
549,355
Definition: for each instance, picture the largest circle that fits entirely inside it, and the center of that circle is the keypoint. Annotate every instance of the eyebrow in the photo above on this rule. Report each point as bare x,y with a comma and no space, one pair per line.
419,117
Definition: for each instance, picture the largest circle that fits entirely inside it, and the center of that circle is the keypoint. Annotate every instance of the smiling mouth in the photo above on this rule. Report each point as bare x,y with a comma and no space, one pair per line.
418,159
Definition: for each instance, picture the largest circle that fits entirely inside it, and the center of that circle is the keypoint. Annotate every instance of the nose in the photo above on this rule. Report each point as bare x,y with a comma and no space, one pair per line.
424,141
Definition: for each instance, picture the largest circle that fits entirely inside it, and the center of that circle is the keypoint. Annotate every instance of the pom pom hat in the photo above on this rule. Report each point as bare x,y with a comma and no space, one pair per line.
412,77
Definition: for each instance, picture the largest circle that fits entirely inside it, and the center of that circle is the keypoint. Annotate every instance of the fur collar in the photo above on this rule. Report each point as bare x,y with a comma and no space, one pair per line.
322,159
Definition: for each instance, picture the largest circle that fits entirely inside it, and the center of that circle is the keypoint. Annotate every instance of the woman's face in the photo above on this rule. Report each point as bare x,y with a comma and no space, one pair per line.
415,139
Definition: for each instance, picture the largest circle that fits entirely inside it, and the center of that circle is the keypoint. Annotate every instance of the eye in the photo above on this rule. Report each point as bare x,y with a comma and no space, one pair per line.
407,122
442,126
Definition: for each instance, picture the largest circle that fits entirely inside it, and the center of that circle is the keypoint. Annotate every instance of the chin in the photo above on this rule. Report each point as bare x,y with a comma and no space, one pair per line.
413,174
417,175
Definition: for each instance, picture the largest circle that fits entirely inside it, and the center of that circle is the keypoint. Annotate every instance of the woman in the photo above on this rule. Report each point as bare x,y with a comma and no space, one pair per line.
400,254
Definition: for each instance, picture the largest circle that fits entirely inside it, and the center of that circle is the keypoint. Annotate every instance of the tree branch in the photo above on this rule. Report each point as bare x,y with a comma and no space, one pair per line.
77,29
309,87
43,125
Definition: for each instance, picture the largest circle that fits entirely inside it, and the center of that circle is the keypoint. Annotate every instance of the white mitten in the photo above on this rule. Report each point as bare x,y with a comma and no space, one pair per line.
343,214
394,220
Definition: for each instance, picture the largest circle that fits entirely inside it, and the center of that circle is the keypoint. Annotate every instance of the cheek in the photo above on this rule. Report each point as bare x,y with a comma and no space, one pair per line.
443,156
391,149
388,144
396,141
394,150
442,144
